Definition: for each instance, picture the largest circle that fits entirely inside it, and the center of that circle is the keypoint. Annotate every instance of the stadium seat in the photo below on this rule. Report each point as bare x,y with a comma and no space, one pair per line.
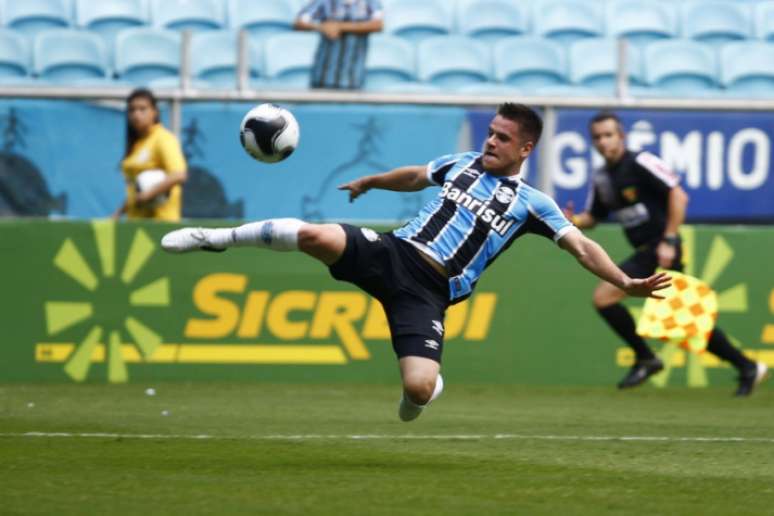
490,88
568,20
453,61
527,63
108,17
188,14
15,55
67,55
490,20
716,22
146,53
32,16
214,59
594,64
641,21
747,68
416,20
264,19
390,59
288,58
411,87
681,67
764,20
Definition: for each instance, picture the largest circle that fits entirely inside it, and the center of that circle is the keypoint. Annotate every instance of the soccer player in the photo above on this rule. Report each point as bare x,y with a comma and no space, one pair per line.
435,260
644,195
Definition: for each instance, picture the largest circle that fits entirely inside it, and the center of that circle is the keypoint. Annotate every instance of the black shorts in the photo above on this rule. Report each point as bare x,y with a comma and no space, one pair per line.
414,295
644,261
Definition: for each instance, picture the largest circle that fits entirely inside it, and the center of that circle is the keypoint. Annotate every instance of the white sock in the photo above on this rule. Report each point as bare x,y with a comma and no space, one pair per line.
276,234
438,388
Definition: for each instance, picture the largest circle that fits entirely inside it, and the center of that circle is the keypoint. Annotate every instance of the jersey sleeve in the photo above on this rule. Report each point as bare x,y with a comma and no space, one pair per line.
439,168
594,204
313,11
170,154
546,219
656,172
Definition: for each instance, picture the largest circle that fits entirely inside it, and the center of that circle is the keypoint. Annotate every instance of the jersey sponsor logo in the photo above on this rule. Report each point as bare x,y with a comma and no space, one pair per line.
633,216
496,221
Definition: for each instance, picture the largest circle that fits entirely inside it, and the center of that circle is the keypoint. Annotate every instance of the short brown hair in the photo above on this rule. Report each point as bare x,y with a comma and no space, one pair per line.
606,115
530,123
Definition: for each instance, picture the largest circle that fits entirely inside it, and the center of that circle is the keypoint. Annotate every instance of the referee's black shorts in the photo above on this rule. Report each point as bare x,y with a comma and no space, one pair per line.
414,295
644,261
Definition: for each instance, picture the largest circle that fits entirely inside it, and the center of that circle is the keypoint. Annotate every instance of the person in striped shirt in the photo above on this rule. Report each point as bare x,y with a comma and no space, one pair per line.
436,259
344,26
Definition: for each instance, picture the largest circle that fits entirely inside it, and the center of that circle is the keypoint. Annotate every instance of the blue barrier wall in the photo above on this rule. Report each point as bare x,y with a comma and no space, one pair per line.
60,158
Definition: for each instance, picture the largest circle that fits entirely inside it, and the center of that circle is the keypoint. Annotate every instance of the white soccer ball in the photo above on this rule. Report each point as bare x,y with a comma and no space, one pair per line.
148,179
269,133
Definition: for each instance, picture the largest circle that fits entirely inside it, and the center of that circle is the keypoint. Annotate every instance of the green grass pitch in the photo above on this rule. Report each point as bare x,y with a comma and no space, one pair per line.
340,450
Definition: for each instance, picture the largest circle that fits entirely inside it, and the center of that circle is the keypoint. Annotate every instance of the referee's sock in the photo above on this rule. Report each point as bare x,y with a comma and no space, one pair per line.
621,321
277,234
720,346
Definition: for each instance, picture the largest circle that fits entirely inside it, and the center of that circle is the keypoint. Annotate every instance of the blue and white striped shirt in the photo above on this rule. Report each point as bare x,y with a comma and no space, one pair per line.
477,216
340,63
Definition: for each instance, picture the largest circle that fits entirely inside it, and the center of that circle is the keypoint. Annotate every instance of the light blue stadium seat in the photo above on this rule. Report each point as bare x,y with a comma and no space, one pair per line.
763,15
288,58
490,20
681,67
15,55
641,21
417,19
528,63
146,53
263,18
594,64
390,59
214,59
188,14
33,16
490,88
411,87
716,22
453,61
568,20
67,55
747,68
108,17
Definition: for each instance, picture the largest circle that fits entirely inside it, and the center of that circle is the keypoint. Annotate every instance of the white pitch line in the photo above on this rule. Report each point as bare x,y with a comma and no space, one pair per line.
396,437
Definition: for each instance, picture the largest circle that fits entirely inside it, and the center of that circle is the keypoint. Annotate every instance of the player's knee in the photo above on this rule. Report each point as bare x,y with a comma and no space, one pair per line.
419,389
309,236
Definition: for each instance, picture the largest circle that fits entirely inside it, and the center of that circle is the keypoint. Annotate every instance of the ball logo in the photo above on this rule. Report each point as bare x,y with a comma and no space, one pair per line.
504,195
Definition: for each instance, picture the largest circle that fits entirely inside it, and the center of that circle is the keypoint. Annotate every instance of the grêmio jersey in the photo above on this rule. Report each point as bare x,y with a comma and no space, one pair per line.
475,217
636,192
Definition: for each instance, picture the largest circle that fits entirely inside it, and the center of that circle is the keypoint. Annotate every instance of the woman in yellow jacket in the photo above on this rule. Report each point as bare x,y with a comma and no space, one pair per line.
151,147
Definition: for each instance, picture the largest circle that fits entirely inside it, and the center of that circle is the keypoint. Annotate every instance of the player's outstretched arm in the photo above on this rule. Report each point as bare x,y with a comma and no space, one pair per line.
591,255
404,179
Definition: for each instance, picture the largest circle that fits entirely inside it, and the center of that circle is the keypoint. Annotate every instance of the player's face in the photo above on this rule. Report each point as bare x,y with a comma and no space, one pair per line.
142,115
504,149
608,139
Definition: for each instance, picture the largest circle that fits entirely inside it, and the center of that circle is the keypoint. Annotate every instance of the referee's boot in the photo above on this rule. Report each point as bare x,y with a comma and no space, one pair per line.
186,240
749,379
641,371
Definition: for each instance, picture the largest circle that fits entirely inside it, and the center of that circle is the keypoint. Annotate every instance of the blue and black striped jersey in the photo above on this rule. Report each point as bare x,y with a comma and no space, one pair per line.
340,63
475,217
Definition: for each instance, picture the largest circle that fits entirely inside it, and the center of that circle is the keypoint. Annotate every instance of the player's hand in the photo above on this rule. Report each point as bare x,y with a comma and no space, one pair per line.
648,286
356,188
666,254
143,197
569,210
330,29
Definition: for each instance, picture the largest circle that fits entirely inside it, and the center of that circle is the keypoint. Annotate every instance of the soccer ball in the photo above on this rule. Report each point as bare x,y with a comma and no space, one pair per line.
269,133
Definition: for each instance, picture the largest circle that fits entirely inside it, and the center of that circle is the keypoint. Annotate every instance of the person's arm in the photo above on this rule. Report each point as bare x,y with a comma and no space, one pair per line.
174,164
120,211
362,27
403,179
676,206
594,259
